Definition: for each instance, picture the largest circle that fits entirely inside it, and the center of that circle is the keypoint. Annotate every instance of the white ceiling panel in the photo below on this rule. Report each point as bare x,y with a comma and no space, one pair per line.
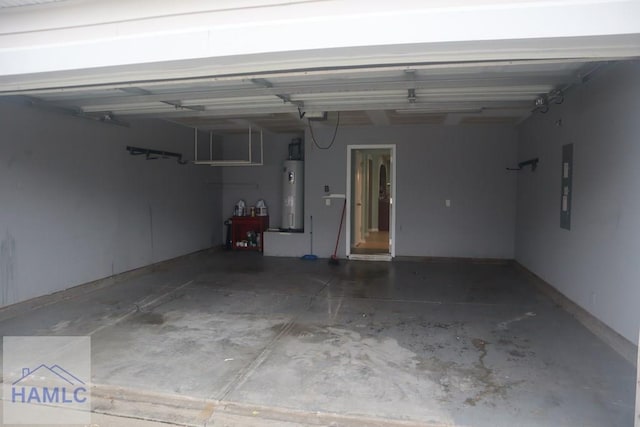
18,3
501,92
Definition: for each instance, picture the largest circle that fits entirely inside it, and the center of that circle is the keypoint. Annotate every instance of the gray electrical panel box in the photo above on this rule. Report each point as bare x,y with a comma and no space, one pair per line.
566,186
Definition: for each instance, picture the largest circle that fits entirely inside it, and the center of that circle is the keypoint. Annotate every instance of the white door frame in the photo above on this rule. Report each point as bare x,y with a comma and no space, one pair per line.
392,218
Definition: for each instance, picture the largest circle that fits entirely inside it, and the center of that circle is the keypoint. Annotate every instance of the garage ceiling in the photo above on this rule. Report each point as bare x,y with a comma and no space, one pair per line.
19,3
477,92
272,64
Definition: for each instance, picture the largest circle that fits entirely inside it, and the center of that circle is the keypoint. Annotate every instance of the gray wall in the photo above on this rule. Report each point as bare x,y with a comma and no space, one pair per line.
76,207
252,183
463,163
595,263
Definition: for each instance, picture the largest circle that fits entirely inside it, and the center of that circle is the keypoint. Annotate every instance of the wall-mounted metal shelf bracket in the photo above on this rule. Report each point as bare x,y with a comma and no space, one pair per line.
531,162
151,154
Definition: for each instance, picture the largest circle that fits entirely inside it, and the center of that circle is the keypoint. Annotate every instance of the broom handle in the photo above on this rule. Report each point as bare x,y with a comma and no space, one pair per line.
311,237
344,207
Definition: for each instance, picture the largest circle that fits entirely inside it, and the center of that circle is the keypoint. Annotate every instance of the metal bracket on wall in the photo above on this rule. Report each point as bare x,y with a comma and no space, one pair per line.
155,154
532,162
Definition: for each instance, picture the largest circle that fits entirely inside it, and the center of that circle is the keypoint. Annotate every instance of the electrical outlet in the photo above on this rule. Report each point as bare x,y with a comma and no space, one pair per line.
327,202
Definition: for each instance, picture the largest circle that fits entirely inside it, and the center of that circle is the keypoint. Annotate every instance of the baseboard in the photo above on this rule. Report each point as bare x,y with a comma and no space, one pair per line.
435,259
12,310
624,347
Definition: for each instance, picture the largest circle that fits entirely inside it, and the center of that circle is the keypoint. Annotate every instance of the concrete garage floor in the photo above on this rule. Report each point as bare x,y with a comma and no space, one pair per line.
239,339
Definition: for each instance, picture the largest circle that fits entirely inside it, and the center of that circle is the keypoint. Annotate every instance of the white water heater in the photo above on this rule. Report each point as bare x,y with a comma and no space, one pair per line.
293,195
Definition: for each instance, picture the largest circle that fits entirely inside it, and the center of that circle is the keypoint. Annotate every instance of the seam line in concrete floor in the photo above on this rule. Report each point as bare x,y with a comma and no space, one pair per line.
320,418
244,374
403,301
65,295
140,308
201,412
88,288
132,417
378,299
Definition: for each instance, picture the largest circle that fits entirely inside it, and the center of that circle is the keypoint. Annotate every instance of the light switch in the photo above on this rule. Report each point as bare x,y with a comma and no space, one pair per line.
327,202
447,203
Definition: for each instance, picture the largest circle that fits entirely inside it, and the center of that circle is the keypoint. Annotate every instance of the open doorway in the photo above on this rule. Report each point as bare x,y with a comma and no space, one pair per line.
370,207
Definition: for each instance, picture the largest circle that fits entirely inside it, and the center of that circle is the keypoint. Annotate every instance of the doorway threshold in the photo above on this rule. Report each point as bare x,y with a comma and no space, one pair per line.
370,257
